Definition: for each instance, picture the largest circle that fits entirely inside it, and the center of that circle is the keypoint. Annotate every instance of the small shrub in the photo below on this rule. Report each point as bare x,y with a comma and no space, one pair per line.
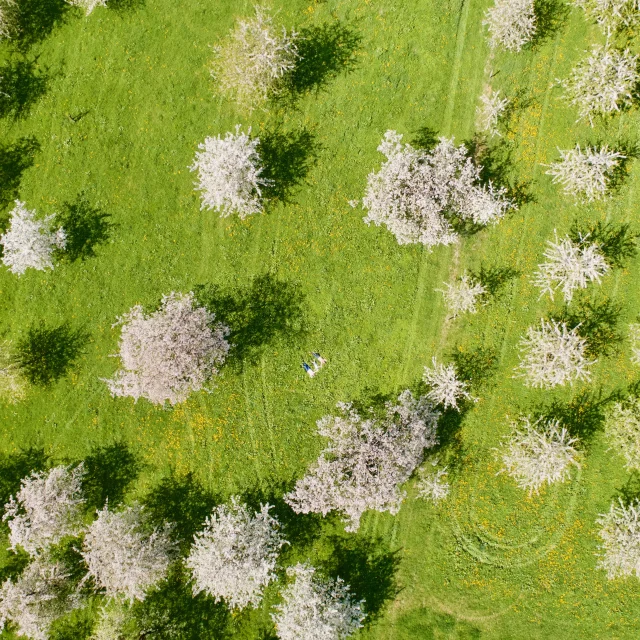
620,533
445,387
229,171
553,355
603,82
30,243
539,453
587,174
511,23
569,267
316,609
253,60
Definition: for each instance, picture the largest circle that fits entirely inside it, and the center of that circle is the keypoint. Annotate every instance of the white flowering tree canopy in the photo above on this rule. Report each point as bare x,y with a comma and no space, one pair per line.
417,194
47,508
169,353
366,460
431,483
37,598
552,355
253,59
585,175
611,15
13,384
620,533
569,266
489,112
463,295
622,429
8,10
445,387
229,171
30,243
88,5
234,557
511,24
539,453
124,555
603,82
314,608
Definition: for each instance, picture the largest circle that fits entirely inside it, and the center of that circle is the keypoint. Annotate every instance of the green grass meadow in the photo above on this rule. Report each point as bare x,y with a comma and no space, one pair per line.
490,562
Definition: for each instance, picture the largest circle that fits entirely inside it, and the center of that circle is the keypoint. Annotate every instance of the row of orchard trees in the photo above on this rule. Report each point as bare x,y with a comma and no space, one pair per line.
123,556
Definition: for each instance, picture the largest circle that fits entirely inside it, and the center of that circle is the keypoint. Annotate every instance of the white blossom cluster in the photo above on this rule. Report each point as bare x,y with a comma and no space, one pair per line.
366,461
30,243
539,453
316,608
620,535
169,353
415,193
511,23
569,266
47,508
37,598
13,385
490,111
611,15
463,295
8,10
603,82
622,428
229,171
553,355
88,5
234,557
585,174
432,485
123,555
445,388
253,59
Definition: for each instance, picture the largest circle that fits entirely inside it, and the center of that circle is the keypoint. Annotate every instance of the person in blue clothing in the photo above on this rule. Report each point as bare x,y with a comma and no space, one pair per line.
308,369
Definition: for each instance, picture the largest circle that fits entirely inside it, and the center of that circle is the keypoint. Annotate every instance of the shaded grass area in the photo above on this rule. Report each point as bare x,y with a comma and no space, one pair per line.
120,122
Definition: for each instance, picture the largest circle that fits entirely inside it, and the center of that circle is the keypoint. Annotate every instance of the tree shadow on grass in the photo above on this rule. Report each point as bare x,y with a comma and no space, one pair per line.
86,227
287,159
616,242
325,52
259,314
21,85
494,278
184,502
299,529
551,15
630,491
496,164
425,624
583,416
109,471
37,19
14,467
369,567
597,323
47,354
15,159
425,138
475,366
125,6
172,612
